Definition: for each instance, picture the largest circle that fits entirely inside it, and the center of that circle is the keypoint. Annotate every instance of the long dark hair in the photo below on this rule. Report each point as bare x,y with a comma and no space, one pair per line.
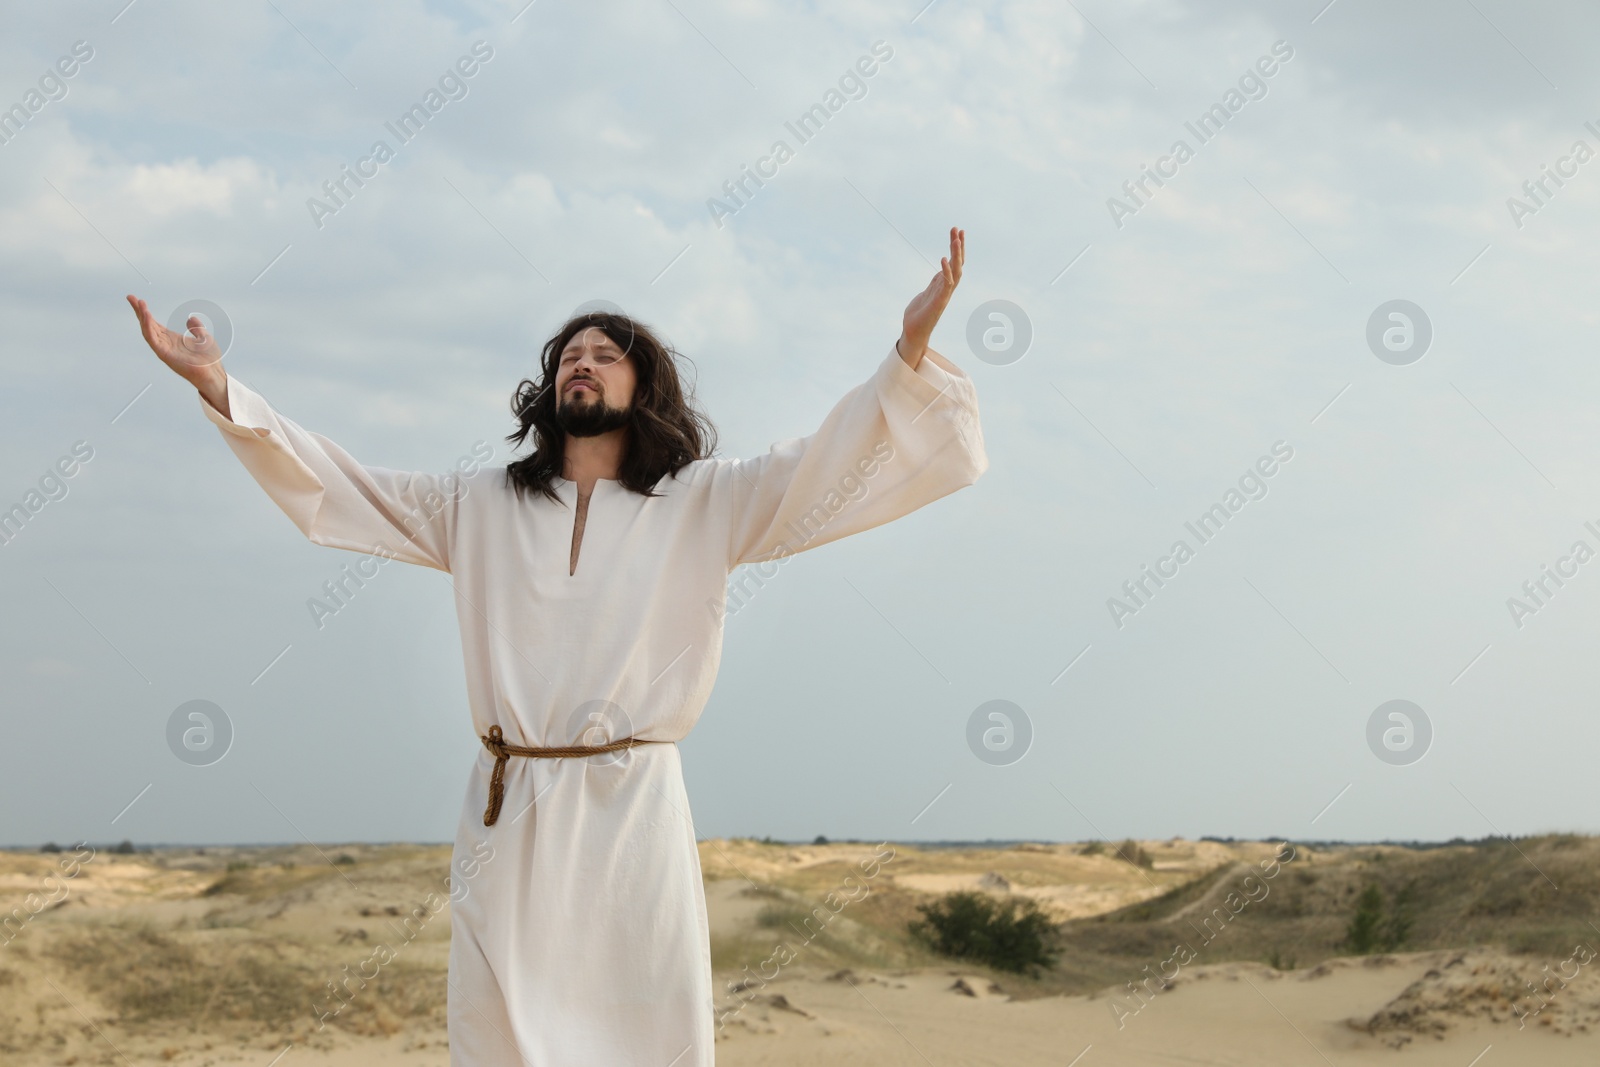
665,432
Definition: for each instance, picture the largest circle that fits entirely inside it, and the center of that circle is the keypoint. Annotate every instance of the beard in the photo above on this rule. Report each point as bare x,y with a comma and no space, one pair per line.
590,418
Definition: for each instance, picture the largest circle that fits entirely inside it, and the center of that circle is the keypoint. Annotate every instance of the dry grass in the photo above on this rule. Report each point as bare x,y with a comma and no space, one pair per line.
182,945
146,975
149,976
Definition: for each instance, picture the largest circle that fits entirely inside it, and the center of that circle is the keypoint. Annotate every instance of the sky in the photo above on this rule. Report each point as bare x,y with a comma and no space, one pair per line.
1353,315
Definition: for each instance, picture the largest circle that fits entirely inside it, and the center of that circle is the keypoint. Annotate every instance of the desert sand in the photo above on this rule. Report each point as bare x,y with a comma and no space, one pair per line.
226,955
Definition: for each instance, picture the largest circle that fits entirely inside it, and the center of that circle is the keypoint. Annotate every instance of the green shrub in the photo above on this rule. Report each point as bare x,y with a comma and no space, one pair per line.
1007,935
1135,854
771,917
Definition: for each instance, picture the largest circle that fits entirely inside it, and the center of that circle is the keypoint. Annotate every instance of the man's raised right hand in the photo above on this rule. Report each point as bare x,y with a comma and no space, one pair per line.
193,356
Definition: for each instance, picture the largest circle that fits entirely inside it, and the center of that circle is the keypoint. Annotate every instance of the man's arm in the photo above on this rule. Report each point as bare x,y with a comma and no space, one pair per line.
904,438
900,440
330,497
215,392
904,352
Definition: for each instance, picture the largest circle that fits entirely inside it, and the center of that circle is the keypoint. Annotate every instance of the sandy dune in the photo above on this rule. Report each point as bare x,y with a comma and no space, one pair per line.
216,956
1241,1015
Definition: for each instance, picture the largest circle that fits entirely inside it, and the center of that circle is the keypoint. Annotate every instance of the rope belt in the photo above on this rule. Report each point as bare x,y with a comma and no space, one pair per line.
496,744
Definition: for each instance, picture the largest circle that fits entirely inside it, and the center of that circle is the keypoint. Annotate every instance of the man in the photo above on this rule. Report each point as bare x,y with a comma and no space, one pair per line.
582,576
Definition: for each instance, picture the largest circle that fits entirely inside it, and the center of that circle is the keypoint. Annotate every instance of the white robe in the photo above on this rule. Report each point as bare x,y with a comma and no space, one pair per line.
578,923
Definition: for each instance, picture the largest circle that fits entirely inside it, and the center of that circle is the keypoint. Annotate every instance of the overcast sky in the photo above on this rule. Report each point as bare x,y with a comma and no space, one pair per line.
1180,333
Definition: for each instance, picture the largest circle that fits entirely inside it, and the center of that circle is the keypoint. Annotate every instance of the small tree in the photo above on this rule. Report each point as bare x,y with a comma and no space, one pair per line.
1371,930
1398,926
1007,935
1362,934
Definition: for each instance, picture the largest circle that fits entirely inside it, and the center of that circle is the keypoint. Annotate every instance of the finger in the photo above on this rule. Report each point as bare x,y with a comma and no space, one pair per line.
146,326
153,330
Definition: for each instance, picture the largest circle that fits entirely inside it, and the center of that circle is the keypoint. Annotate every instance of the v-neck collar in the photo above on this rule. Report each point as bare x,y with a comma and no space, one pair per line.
568,491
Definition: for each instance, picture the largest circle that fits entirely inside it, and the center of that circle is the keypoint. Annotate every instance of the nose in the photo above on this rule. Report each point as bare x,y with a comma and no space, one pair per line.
587,358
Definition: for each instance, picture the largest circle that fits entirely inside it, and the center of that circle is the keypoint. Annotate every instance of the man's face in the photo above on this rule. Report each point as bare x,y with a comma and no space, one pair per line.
593,397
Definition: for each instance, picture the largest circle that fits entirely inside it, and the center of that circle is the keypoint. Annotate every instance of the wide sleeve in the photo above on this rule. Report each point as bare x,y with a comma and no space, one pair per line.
331,498
901,439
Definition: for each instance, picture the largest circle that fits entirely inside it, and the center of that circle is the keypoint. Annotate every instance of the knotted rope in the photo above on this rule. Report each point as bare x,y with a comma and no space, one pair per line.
495,742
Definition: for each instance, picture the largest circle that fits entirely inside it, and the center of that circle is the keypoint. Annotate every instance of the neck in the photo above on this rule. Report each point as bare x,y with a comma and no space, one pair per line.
591,458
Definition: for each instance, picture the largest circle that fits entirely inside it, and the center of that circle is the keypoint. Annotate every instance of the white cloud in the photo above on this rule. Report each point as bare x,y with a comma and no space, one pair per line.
1190,340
